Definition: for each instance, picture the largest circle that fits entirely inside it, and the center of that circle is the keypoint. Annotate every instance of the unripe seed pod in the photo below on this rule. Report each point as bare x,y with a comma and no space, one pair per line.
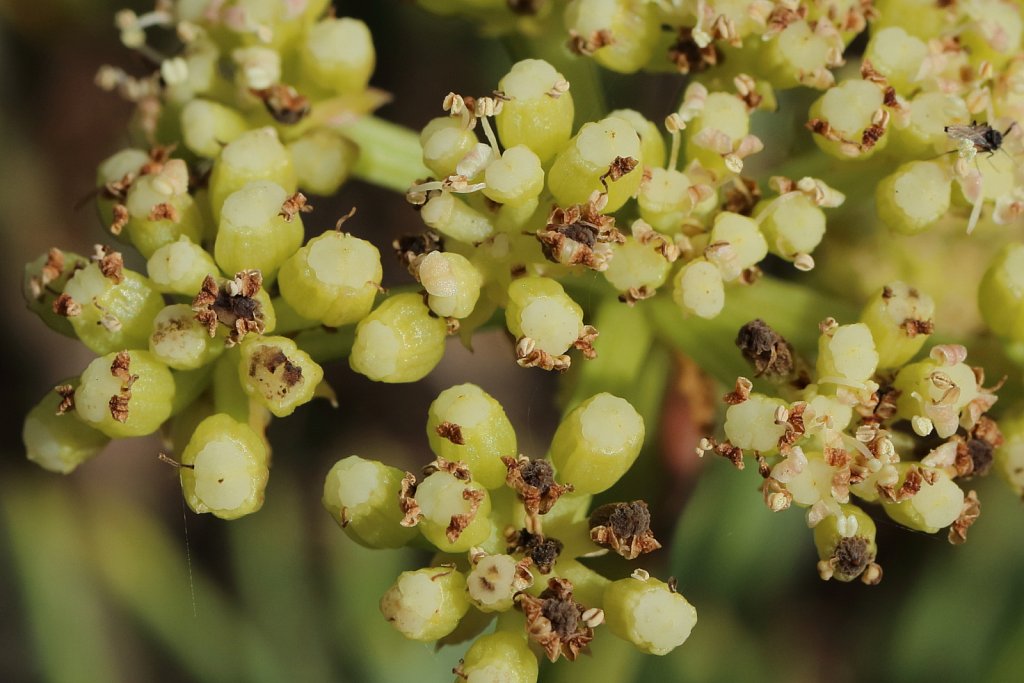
633,29
466,424
663,198
933,507
180,267
848,554
597,443
539,111
636,266
207,126
278,374
791,224
333,279
44,280
499,657
454,218
179,341
253,155
253,233
649,614
400,341
128,393
337,57
515,178
361,496
455,512
589,163
426,604
746,245
1001,293
224,468
59,443
445,141
114,315
915,197
900,320
751,425
540,309
161,210
846,355
323,160
452,283
698,289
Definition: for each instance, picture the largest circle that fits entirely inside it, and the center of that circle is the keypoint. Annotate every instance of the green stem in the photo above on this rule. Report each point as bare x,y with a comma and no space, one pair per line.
389,154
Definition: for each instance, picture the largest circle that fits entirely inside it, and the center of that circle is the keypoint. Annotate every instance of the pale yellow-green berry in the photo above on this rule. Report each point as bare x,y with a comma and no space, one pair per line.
698,289
597,442
254,155
179,340
255,232
896,55
180,267
933,507
1008,457
43,280
753,424
994,35
515,178
500,657
652,145
399,341
493,582
933,393
923,132
466,424
59,443
323,160
123,165
812,483
792,224
846,356
445,141
915,197
1001,293
740,244
333,279
589,163
663,199
224,468
361,495
900,320
722,114
649,614
635,266
114,315
539,111
161,210
207,126
798,56
453,217
129,393
426,604
278,374
540,309
452,283
455,512
849,108
922,18
337,57
633,29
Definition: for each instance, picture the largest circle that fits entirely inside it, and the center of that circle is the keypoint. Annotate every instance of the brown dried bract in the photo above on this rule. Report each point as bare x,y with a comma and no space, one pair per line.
579,235
585,342
158,156
67,307
452,432
688,56
52,269
111,263
529,356
410,509
969,514
534,482
284,103
410,249
542,551
881,407
67,398
624,527
293,206
232,304
766,350
588,45
634,294
556,622
974,455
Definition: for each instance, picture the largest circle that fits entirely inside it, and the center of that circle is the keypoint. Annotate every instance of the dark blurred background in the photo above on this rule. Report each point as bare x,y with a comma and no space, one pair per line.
104,575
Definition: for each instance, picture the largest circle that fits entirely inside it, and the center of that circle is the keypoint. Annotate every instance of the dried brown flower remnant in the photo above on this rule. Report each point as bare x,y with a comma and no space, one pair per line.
294,205
232,304
459,522
625,528
411,514
724,449
52,269
164,211
585,342
120,219
579,235
765,349
269,359
619,167
67,307
975,453
284,103
534,482
969,514
529,356
556,622
912,483
689,56
410,249
740,393
111,263
851,557
588,45
67,398
120,368
541,550
452,432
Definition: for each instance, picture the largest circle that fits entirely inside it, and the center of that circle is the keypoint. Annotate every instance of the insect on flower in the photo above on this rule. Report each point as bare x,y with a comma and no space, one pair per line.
977,137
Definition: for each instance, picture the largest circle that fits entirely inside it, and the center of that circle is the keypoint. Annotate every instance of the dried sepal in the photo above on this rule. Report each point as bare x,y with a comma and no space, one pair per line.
120,368
284,103
529,356
579,235
110,262
534,483
232,304
542,551
969,514
556,622
410,509
625,528
67,398
293,206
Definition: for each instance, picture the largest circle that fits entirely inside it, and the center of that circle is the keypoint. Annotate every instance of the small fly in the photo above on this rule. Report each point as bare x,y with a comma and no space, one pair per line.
977,137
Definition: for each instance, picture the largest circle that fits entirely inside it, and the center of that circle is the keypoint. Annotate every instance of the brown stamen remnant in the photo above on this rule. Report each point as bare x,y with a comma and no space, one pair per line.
233,304
67,398
882,406
164,211
740,393
529,356
67,307
969,514
743,198
458,523
588,45
851,558
294,205
120,219
579,235
776,496
974,454
411,249
455,468
452,432
619,167
556,622
284,103
268,359
541,550
410,509
724,449
915,479
585,342
534,482
688,56
120,368
625,528
111,263
51,270
913,327
766,350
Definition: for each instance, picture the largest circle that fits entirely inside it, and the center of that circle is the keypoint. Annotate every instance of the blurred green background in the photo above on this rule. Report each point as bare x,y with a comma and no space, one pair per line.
105,576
